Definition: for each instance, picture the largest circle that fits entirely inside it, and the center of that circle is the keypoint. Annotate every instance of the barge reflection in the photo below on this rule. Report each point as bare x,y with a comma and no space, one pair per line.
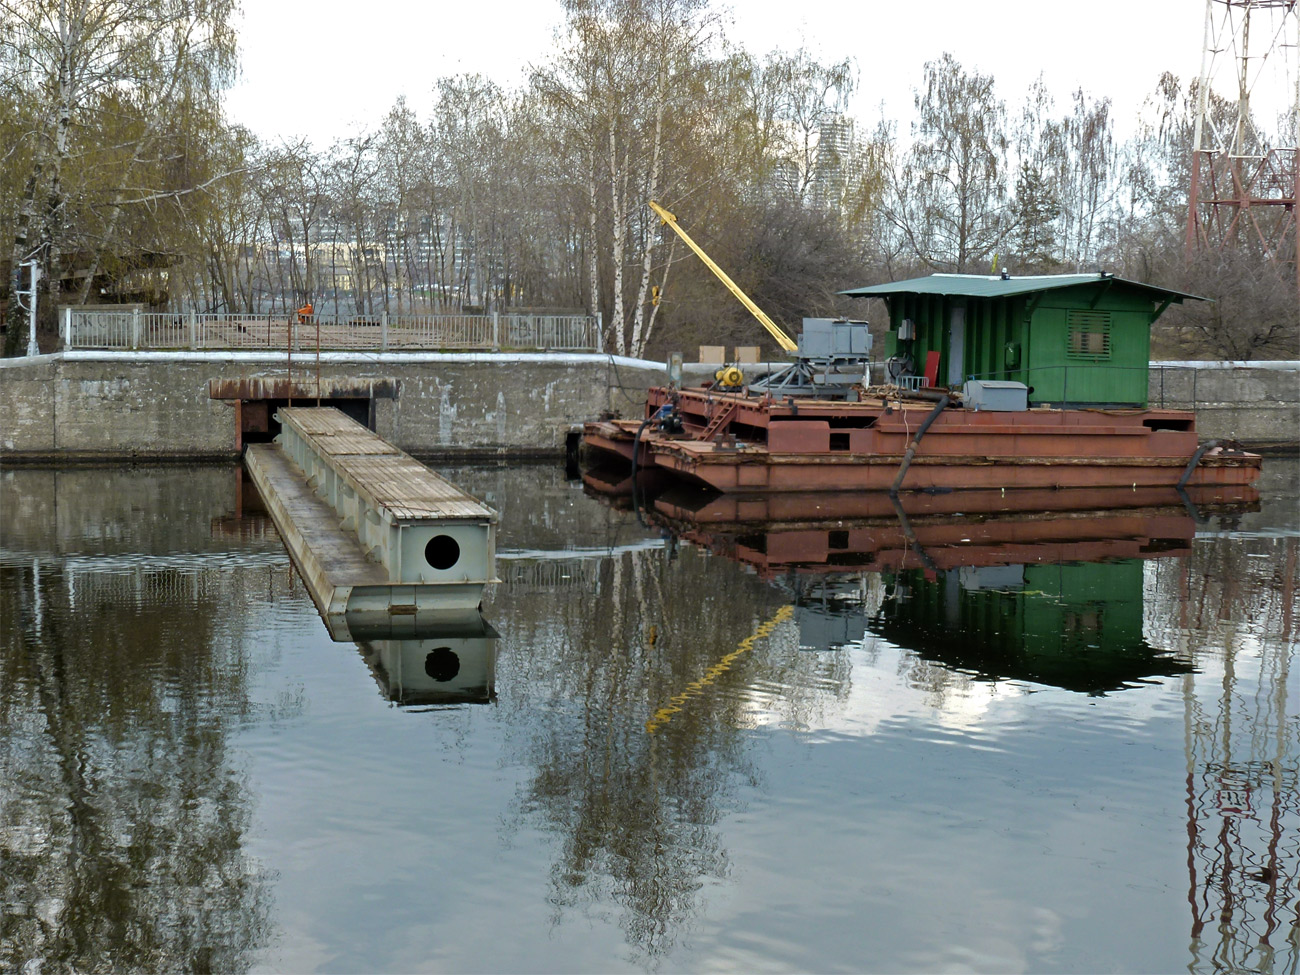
1044,587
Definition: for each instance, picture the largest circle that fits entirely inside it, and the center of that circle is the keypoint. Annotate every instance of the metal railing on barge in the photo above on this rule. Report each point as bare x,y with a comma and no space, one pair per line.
134,329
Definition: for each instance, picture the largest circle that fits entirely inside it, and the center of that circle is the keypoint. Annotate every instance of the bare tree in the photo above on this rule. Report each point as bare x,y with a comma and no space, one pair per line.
623,86
950,194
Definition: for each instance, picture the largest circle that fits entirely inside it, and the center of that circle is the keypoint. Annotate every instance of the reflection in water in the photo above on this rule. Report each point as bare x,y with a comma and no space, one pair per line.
439,661
1076,626
639,815
743,744
122,813
1067,599
1242,742
1053,597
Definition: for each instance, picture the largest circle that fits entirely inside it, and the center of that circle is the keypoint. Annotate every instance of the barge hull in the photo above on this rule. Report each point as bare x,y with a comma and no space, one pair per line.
735,443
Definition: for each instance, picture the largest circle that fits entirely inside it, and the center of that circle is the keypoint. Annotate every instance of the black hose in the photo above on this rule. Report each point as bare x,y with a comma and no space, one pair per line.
910,535
1190,505
636,453
1196,459
939,407
636,442
658,414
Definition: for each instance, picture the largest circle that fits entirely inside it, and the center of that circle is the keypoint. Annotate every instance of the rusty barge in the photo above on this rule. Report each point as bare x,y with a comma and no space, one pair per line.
987,382
734,442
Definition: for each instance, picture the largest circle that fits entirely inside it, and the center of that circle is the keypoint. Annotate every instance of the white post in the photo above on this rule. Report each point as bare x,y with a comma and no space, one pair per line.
32,347
135,328
383,331
67,326
496,331
194,329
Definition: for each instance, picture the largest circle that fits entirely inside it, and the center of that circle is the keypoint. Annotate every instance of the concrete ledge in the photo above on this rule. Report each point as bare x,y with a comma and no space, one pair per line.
95,407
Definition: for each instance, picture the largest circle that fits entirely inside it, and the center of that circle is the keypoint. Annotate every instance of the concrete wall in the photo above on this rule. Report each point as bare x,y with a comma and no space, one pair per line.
98,405
1251,403
87,405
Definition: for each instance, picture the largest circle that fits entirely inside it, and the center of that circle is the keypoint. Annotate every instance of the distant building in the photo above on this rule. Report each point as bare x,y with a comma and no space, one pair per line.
834,162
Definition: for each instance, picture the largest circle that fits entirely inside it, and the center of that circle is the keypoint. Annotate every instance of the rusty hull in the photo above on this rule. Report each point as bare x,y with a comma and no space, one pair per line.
1140,533
761,445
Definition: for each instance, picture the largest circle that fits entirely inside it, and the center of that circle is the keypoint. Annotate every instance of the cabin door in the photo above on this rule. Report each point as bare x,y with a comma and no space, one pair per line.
957,346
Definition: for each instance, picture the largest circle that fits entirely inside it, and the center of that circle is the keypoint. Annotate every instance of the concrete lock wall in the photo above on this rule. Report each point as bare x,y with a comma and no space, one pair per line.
87,406
111,406
1255,403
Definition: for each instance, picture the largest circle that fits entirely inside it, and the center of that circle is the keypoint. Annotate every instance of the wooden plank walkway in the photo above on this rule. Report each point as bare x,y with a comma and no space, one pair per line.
391,478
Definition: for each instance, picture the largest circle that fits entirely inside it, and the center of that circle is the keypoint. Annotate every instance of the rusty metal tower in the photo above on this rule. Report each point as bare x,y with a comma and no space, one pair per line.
1245,174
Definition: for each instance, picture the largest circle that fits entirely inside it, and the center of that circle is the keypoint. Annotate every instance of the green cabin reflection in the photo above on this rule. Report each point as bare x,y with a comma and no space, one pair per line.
1078,626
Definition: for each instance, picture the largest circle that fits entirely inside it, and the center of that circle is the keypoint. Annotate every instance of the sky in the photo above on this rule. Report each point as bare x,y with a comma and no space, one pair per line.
325,69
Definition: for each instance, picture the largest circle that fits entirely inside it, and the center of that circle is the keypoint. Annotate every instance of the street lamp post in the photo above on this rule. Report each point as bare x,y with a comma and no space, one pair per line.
32,347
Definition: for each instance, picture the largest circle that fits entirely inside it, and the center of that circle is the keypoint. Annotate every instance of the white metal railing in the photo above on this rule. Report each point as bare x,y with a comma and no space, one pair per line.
133,329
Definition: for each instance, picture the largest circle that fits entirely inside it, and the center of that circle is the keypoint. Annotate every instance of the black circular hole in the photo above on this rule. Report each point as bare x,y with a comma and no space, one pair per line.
442,664
442,552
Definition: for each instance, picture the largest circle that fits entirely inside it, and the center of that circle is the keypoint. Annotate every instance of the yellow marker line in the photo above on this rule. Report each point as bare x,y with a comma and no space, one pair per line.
696,687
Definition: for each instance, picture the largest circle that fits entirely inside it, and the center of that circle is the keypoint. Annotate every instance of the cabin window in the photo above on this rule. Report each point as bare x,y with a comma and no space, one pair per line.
1088,334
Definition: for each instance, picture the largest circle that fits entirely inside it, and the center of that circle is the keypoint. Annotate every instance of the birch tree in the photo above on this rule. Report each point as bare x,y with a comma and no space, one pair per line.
951,192
621,86
810,99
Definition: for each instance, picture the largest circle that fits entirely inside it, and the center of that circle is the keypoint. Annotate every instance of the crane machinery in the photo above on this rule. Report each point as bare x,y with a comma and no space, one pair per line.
831,358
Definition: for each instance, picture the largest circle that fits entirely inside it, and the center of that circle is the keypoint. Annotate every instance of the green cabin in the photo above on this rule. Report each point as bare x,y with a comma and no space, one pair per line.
1072,339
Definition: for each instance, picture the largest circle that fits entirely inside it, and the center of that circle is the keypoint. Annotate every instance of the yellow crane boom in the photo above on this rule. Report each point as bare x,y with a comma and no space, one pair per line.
773,329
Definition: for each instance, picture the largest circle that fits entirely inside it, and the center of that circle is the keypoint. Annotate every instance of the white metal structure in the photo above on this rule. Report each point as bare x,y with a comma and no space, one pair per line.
133,328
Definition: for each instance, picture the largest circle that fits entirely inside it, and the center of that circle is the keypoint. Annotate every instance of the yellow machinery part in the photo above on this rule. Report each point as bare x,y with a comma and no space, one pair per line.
730,376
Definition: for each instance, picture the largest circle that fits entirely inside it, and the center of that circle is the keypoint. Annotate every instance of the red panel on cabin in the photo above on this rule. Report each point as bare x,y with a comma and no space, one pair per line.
932,369
798,436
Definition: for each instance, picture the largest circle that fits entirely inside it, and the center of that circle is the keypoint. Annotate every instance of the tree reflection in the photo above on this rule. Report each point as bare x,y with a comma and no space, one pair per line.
638,813
123,816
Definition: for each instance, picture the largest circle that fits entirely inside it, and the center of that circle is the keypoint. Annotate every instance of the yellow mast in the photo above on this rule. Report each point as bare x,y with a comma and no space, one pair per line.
773,329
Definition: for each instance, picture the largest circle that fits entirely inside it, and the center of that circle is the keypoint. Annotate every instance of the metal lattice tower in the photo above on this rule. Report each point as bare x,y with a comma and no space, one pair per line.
1245,176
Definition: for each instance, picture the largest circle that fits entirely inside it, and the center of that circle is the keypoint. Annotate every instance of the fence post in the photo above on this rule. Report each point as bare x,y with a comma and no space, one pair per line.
194,329
599,344
67,327
383,331
135,328
496,331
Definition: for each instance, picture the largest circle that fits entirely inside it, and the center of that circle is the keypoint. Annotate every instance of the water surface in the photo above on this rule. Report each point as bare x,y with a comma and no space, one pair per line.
1077,752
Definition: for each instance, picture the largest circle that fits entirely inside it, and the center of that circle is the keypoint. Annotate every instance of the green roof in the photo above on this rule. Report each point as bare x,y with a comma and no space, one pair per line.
996,286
